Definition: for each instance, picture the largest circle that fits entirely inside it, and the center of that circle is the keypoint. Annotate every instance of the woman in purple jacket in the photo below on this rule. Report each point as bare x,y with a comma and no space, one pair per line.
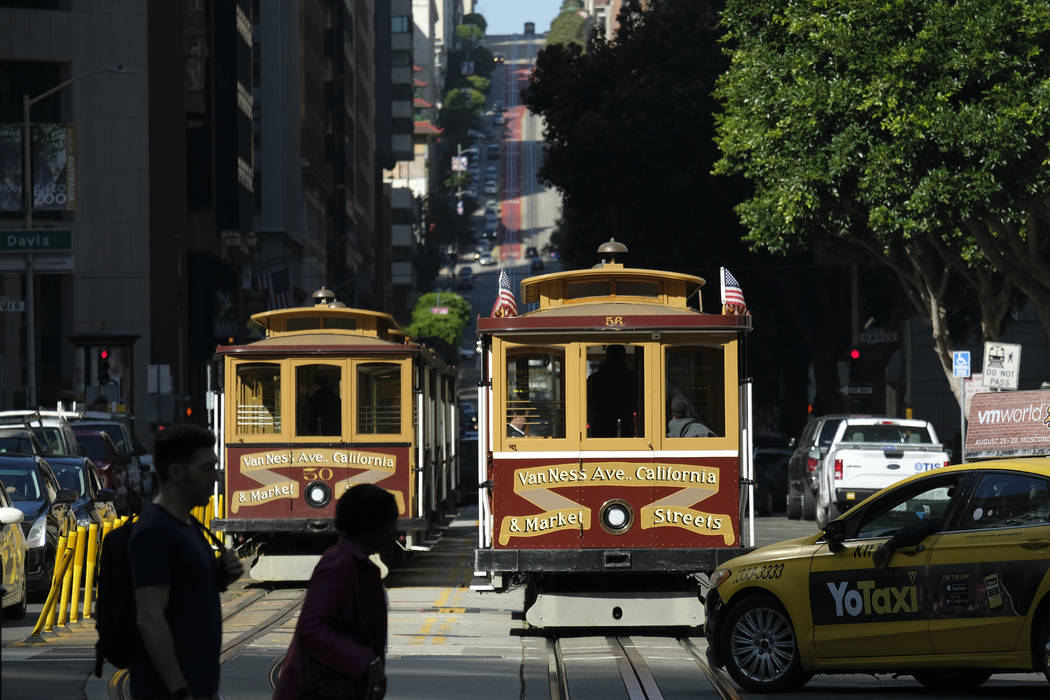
342,624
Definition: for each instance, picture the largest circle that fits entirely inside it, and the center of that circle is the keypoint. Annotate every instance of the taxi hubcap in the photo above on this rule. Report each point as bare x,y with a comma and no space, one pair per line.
762,644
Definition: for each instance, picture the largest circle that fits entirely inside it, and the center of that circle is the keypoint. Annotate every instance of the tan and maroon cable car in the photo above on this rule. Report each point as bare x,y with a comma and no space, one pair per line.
610,459
330,398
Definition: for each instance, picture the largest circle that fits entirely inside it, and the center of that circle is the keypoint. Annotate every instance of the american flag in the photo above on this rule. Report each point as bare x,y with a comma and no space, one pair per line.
505,305
732,294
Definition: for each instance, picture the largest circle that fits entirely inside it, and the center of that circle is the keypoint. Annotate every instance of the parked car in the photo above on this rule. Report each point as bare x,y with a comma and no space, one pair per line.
961,593
121,429
94,500
12,558
498,119
536,265
802,467
465,278
52,429
34,490
490,187
113,466
19,441
487,260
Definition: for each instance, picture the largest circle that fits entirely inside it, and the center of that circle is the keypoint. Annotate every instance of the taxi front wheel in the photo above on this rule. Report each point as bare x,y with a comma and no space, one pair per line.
760,648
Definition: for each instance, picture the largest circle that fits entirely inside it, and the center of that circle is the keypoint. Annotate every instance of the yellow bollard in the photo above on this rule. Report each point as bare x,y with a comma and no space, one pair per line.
89,570
46,621
60,552
67,581
78,573
107,526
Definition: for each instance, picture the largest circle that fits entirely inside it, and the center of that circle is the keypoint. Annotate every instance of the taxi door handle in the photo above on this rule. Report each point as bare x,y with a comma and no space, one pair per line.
912,551
1036,544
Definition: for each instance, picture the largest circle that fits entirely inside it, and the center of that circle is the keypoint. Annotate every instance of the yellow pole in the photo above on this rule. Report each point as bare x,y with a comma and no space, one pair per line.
60,552
107,525
89,569
67,582
78,572
46,621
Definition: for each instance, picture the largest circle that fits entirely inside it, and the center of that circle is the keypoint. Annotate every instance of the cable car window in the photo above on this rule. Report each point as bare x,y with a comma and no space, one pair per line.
615,391
378,398
302,324
636,288
258,399
346,324
318,400
695,393
536,392
579,290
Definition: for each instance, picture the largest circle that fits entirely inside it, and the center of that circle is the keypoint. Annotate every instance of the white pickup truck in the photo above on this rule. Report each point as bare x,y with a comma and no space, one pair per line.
868,454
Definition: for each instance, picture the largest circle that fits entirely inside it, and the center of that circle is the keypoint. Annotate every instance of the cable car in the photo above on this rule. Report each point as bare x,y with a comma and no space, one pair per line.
329,398
613,448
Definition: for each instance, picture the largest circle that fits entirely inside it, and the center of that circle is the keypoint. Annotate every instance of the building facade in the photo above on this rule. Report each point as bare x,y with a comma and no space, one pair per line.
81,330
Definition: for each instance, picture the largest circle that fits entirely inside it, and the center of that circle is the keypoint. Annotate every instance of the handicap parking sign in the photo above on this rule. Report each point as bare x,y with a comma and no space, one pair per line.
961,363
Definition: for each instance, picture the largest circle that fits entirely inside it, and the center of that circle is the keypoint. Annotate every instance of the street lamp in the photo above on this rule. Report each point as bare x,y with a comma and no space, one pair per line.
27,198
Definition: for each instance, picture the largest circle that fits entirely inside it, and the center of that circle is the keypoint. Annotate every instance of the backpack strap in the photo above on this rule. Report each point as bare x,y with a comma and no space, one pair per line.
209,536
681,432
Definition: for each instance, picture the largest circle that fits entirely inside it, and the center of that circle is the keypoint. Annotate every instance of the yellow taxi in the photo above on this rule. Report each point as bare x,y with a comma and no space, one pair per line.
960,591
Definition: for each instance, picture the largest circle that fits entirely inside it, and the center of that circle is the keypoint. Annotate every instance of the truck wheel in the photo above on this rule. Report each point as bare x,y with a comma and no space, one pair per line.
760,648
794,504
809,504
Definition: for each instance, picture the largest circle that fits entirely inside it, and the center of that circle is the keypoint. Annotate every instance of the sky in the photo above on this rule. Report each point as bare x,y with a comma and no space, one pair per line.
510,16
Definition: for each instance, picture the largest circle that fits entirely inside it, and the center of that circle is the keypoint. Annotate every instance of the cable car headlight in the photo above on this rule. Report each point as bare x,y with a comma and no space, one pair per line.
318,494
616,516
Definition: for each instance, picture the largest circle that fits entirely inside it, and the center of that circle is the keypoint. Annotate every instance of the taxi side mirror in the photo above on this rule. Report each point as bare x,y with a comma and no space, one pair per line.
66,496
106,496
834,535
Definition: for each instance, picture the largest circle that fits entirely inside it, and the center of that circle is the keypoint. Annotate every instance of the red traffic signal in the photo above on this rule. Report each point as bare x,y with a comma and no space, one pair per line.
854,354
104,354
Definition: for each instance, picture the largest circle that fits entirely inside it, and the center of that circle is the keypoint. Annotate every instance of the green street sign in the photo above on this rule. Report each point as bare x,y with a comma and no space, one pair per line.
41,240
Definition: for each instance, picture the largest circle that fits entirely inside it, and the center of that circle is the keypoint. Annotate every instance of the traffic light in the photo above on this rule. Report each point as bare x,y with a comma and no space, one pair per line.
854,354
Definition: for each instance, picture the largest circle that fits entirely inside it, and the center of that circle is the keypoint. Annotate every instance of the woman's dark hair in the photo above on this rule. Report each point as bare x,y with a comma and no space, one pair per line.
364,508
177,444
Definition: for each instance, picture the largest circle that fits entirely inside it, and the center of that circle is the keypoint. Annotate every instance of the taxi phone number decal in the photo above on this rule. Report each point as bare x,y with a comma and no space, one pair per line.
766,572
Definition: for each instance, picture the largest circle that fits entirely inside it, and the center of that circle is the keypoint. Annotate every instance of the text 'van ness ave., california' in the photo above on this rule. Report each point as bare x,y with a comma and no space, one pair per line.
317,458
623,474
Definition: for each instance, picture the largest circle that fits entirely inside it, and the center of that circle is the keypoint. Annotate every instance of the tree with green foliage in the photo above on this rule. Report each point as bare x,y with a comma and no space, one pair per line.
480,84
477,20
629,133
913,130
469,33
443,331
569,27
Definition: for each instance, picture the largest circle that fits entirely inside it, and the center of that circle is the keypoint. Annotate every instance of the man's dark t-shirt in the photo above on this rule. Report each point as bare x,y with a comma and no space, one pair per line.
165,551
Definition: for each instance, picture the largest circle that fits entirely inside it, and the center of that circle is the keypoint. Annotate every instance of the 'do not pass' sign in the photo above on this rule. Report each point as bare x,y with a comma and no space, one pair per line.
1002,365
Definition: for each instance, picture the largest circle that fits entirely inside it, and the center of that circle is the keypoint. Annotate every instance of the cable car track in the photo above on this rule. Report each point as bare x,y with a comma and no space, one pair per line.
639,681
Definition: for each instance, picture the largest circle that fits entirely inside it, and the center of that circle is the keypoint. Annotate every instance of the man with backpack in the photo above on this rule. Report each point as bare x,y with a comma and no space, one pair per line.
175,574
